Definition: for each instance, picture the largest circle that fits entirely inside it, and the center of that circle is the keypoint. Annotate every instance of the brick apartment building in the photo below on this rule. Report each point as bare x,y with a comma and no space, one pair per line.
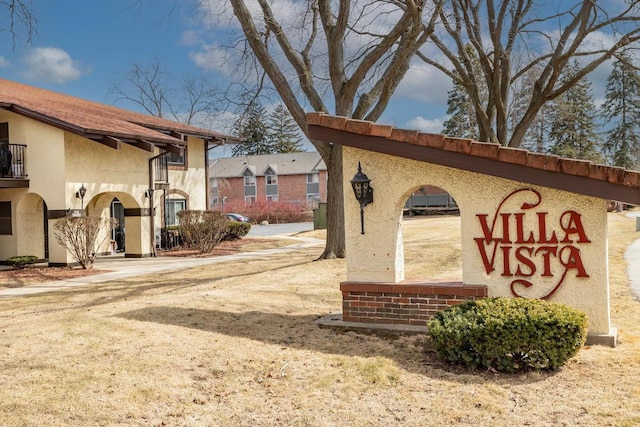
289,177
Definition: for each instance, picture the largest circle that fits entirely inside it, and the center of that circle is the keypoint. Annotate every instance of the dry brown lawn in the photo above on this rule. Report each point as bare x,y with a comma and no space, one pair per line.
235,345
11,278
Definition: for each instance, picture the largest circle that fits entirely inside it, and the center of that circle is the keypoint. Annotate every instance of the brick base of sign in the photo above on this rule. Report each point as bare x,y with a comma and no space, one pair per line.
409,302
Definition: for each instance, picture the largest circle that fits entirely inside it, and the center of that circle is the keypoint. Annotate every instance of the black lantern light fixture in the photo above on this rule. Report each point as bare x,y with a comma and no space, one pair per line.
363,192
82,191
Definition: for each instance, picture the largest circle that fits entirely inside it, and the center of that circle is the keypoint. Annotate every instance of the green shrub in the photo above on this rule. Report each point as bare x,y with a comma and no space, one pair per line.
236,230
20,262
508,334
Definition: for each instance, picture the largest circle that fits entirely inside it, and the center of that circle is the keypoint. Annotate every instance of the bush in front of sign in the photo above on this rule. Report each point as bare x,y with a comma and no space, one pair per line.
508,334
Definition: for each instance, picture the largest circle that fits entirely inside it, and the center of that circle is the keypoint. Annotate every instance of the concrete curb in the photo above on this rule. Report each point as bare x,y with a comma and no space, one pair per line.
632,256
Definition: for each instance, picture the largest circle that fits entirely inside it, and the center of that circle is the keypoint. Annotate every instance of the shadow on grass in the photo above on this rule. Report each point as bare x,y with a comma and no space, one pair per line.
300,332
118,290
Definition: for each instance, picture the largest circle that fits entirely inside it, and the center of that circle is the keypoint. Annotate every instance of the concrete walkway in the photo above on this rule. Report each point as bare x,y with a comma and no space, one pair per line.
121,268
632,256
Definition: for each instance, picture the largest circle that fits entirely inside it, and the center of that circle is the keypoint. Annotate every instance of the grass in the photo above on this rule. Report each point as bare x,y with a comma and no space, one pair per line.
236,345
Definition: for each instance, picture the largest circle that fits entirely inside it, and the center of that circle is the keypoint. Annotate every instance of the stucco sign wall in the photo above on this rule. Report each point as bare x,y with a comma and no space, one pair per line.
524,255
532,225
518,240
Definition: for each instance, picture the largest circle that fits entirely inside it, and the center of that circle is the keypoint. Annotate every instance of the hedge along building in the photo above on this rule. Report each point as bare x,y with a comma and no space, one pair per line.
70,156
532,225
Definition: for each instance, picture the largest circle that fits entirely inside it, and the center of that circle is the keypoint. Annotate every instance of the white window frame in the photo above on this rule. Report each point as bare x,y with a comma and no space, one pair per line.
172,217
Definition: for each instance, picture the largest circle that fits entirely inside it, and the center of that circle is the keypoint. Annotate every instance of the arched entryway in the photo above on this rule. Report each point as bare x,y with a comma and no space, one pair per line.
31,220
429,222
132,232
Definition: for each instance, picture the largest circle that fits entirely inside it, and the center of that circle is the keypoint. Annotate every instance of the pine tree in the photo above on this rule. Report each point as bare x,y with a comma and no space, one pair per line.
621,109
572,132
251,127
537,136
462,121
283,131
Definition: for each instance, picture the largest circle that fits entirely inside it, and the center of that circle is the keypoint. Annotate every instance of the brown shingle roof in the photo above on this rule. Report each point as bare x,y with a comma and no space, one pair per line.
578,176
93,119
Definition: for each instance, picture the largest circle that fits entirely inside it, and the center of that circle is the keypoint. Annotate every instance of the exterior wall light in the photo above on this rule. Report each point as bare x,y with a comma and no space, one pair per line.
363,192
149,193
82,191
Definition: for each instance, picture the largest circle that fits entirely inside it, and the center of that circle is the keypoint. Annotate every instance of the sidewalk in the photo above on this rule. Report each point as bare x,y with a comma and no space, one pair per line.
632,256
122,268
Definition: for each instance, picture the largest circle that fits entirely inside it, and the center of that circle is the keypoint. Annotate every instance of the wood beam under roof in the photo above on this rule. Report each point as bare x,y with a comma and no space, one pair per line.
145,145
110,141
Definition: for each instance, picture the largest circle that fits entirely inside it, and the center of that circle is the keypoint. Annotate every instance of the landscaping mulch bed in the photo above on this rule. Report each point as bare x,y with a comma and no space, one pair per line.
223,248
31,275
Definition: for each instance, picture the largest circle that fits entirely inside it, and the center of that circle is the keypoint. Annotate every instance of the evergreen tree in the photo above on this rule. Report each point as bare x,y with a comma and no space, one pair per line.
461,121
537,136
283,131
251,127
572,131
621,110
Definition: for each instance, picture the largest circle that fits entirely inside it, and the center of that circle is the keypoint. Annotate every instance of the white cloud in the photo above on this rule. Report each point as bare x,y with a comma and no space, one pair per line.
425,83
214,58
4,63
52,65
425,125
190,38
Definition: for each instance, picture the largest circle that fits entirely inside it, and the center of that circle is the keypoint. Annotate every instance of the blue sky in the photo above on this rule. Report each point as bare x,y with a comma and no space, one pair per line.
83,45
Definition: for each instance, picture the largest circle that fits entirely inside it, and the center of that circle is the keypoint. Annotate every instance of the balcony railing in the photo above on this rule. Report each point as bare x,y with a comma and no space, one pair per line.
161,170
13,161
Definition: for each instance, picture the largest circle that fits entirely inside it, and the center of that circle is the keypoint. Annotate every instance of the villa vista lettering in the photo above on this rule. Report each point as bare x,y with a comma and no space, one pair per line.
527,244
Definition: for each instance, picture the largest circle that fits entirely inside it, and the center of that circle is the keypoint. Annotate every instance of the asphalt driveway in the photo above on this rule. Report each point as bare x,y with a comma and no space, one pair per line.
279,229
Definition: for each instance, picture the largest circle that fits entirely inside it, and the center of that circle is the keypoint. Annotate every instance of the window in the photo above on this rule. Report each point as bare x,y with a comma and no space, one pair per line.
174,159
4,133
5,218
249,199
313,186
249,185
271,189
173,206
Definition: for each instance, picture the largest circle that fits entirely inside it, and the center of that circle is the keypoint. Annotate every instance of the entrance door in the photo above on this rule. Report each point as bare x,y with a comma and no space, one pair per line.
117,234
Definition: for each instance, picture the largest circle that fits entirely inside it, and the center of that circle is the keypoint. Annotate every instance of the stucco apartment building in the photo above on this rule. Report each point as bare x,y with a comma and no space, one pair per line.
65,156
290,177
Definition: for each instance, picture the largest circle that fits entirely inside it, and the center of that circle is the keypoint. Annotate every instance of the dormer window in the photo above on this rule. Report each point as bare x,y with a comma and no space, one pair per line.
271,181
249,186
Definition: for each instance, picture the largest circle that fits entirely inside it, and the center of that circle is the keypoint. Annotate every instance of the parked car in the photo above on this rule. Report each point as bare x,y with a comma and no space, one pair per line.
237,217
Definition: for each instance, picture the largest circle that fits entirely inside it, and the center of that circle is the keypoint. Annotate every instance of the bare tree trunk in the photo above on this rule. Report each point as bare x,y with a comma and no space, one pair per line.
335,245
